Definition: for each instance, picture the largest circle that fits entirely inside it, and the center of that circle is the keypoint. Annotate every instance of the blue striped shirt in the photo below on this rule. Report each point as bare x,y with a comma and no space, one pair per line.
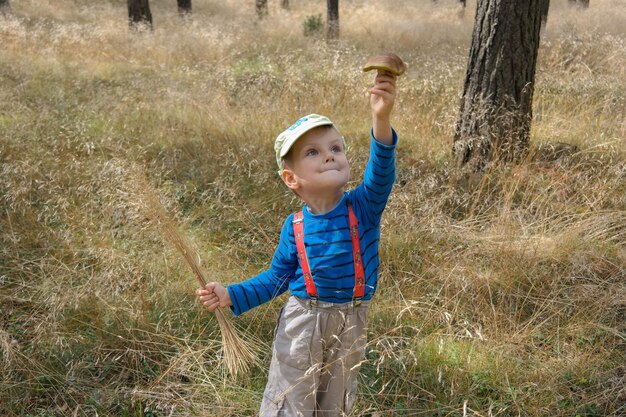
328,244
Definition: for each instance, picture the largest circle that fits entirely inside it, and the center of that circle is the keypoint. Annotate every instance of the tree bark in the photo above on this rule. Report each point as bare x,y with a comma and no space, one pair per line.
139,13
496,108
582,4
332,19
284,4
545,5
261,8
184,7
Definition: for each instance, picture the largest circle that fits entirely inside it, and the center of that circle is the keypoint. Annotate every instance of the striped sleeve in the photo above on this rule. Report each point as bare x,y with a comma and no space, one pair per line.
270,283
379,176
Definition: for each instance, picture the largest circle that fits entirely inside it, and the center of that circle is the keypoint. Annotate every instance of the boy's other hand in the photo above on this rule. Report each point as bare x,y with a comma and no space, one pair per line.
214,295
383,94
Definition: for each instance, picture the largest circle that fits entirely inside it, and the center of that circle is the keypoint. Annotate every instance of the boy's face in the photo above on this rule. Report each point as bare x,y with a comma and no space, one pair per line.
317,163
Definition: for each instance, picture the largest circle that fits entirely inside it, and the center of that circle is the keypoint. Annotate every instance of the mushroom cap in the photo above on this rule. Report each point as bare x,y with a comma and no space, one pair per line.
385,62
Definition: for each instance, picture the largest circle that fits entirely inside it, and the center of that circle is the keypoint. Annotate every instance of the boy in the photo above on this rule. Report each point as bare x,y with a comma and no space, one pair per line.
328,259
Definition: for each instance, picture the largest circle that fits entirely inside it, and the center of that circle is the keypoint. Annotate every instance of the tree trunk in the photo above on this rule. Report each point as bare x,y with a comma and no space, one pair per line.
545,5
184,7
496,108
284,4
139,13
332,19
462,9
261,8
582,4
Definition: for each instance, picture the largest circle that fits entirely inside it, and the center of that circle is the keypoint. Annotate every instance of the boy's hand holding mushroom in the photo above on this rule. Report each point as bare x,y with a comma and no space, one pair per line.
383,93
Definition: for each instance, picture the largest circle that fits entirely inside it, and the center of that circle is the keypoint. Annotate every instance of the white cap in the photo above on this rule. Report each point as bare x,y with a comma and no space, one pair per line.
286,139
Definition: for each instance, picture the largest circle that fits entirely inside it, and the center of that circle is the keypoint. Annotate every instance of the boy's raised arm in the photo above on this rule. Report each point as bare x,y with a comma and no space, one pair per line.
379,174
382,98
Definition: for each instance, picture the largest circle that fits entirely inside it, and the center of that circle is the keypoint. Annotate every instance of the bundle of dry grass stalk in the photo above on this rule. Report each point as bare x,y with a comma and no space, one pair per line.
239,354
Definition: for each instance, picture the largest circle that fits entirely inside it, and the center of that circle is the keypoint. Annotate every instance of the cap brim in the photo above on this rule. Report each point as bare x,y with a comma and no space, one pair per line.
299,132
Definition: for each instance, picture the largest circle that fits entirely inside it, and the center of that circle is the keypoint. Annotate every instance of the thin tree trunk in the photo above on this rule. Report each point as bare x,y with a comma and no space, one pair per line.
496,108
184,7
463,2
462,10
544,13
139,13
261,8
284,4
332,19
582,4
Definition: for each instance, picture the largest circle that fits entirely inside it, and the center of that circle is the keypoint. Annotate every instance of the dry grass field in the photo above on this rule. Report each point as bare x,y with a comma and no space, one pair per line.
504,298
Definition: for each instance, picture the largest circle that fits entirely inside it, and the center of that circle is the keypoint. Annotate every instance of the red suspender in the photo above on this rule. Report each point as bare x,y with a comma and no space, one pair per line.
359,272
298,231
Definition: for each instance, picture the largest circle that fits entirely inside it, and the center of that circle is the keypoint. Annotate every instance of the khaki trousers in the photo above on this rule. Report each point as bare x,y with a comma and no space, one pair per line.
316,356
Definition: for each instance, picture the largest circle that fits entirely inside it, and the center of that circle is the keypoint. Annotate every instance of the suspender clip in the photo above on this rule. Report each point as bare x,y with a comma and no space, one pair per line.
313,301
356,301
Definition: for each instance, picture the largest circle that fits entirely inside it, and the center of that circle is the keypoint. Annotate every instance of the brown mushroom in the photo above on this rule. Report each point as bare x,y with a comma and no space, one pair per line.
385,62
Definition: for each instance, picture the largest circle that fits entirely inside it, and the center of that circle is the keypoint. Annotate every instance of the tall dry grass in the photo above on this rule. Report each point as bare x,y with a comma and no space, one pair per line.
239,354
505,298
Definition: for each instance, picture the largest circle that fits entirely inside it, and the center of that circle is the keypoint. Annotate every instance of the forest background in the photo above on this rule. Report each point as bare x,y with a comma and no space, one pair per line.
505,297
